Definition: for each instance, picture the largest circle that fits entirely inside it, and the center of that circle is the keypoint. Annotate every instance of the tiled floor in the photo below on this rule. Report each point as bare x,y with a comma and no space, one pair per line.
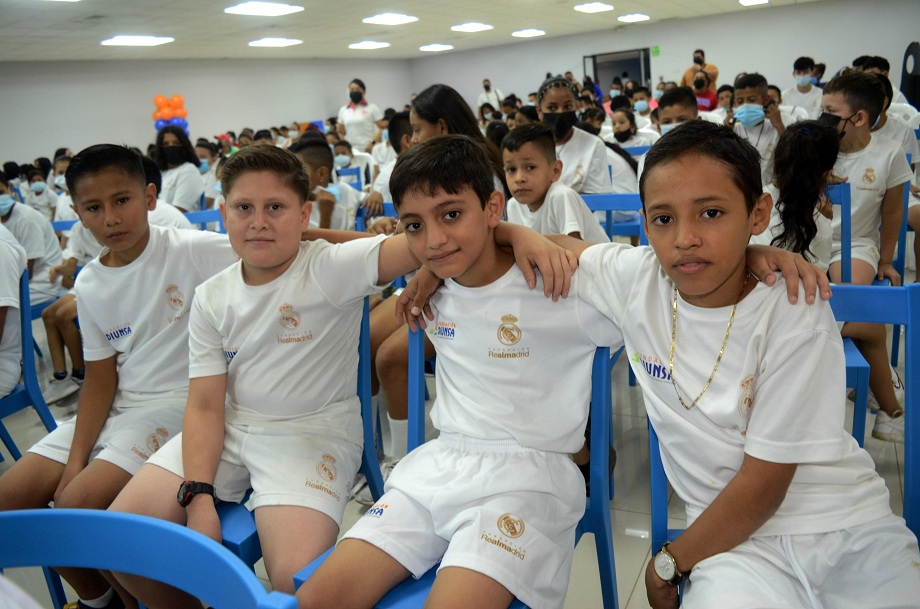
629,509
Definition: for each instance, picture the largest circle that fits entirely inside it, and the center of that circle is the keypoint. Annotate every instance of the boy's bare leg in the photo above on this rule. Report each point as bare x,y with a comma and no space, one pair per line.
55,340
393,370
30,483
863,273
458,588
355,576
870,339
383,323
152,492
291,538
913,221
66,316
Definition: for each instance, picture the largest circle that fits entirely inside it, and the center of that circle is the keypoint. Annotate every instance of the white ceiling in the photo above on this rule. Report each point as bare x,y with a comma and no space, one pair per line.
40,30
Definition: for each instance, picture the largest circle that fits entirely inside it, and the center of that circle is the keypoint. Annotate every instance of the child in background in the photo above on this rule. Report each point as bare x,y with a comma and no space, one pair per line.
626,131
706,98
11,170
383,152
12,264
64,207
804,94
337,203
540,201
757,119
182,183
726,97
676,107
400,134
38,196
641,108
207,155
775,95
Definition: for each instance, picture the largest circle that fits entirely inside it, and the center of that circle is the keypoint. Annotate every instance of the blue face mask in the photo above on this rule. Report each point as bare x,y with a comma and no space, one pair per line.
615,93
658,94
6,204
342,160
803,80
37,187
640,106
749,115
665,128
218,188
204,166
385,136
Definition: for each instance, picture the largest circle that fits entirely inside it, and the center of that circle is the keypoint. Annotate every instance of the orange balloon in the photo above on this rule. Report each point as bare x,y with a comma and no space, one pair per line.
180,113
167,113
160,101
156,115
177,101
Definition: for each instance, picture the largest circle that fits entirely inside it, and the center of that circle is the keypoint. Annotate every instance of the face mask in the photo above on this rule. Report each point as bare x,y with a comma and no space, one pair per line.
333,189
385,136
173,155
60,181
699,83
615,93
803,80
356,97
749,115
203,168
342,160
832,120
622,136
560,122
698,60
670,127
532,104
658,94
640,106
37,187
293,134
487,88
218,188
6,204
875,124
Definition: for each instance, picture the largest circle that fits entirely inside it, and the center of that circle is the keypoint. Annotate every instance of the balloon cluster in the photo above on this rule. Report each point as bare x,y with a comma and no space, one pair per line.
170,111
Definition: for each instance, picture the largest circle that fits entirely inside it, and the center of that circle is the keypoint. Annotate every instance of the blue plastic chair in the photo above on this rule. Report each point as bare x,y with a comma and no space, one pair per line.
412,593
201,218
149,547
637,151
354,173
389,210
900,263
611,202
61,225
28,393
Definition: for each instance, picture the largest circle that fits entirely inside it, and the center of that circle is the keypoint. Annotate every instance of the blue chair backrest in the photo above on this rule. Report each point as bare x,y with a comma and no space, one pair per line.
637,150
201,218
141,545
354,173
60,225
611,202
839,194
389,210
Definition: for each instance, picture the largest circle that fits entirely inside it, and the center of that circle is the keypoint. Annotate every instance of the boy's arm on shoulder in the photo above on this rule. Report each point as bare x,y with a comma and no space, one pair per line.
333,236
570,243
532,250
395,259
765,261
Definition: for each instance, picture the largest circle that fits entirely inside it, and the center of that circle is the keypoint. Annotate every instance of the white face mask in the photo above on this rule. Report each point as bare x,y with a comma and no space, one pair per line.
670,127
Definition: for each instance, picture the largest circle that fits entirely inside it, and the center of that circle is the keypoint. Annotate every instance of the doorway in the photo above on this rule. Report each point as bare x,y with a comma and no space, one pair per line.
635,64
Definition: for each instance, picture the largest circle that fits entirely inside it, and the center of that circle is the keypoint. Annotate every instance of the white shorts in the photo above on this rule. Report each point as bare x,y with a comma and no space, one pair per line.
138,425
282,467
860,249
493,507
871,566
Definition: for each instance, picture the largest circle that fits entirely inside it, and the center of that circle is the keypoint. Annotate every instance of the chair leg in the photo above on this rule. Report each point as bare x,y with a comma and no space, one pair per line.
895,345
860,407
8,442
55,588
38,351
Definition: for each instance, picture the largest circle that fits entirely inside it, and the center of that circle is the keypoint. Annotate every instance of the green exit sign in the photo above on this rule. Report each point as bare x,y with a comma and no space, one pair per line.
656,51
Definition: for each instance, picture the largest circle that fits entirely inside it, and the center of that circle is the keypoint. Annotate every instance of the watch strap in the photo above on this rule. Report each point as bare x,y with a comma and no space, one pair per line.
678,576
189,488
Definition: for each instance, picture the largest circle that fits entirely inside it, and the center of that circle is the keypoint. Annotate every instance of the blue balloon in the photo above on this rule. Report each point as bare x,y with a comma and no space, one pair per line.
175,121
183,123
160,124
187,132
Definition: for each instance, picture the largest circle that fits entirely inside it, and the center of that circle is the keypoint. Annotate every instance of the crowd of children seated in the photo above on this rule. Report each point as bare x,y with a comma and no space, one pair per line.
217,364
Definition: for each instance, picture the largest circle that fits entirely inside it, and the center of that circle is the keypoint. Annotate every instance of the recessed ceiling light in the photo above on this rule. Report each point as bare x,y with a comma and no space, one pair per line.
752,2
62,0
529,33
275,42
263,9
435,47
471,27
136,41
633,18
593,7
368,45
390,19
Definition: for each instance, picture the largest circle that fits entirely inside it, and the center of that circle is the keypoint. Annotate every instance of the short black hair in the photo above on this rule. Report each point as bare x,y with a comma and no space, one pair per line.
283,163
716,142
262,134
886,83
641,89
496,132
4,180
725,88
862,91
537,134
775,88
11,169
102,157
705,74
751,81
681,96
803,63
529,112
211,148
880,63
152,173
861,61
316,154
700,51
344,144
449,163
35,173
398,127
359,82
621,101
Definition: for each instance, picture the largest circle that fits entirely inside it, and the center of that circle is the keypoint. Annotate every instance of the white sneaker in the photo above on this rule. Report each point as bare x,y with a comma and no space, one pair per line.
364,496
59,389
896,384
888,428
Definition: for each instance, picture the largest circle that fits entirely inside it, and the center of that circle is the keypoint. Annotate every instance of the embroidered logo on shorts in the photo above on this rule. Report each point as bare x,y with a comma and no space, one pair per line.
510,526
508,332
376,510
869,176
157,439
290,318
326,468
175,298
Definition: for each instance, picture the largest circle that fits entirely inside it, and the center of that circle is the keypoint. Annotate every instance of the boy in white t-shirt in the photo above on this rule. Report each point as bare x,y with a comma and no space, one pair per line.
12,264
757,119
336,204
34,233
541,202
272,402
134,301
804,94
400,134
746,393
39,196
502,458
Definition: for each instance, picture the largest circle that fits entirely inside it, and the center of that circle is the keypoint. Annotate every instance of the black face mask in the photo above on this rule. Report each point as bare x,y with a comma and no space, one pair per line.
622,136
356,97
560,122
699,83
832,120
487,88
173,155
697,60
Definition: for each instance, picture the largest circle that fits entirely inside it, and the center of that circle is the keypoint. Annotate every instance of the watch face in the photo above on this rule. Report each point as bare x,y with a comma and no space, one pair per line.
664,566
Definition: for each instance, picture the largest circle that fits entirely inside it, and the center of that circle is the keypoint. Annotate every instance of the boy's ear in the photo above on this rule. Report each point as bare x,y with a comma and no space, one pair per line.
223,214
405,142
760,215
557,169
305,210
150,194
495,206
442,127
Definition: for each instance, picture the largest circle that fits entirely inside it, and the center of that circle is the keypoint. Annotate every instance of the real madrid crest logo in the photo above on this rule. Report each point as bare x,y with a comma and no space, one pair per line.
510,526
290,318
175,298
326,468
508,333
157,439
869,176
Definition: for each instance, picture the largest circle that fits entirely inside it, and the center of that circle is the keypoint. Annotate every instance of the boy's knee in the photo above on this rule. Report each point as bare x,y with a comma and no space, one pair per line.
49,314
314,595
392,358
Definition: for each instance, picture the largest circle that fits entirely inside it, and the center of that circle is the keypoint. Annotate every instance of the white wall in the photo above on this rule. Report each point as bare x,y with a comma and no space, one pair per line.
46,105
766,40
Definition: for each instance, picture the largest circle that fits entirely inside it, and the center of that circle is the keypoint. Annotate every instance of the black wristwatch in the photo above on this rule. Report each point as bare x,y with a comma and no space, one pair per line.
188,489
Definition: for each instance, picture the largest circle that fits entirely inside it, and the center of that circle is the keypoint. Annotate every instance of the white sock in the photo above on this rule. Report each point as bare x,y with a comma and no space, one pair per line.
399,437
102,601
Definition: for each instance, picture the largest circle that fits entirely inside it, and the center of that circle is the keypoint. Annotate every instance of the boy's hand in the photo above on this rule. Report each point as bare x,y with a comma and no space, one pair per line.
772,114
202,517
556,265
413,301
836,179
373,204
55,272
383,226
763,261
729,120
885,269
71,471
661,594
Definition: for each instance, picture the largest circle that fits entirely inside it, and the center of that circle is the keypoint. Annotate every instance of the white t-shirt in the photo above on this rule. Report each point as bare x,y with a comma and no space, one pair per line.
643,122
346,208
44,203
12,264
501,348
34,233
64,211
563,211
382,183
763,137
778,395
624,178
493,97
584,163
360,123
168,215
183,187
899,98
383,153
81,245
139,312
209,181
289,348
897,129
639,138
810,101
871,171
820,247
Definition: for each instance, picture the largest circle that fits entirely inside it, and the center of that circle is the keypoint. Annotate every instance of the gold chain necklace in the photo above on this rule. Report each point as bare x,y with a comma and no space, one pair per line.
721,351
